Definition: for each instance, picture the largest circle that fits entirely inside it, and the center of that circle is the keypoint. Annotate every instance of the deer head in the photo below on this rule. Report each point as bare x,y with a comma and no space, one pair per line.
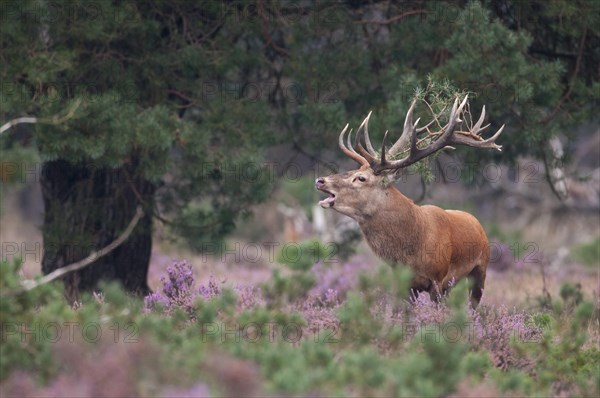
362,192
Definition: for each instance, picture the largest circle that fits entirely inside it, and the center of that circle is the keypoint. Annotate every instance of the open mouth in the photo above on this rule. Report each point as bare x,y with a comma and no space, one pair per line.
328,201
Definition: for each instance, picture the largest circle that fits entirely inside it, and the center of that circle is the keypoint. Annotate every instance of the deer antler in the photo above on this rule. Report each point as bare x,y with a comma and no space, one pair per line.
444,138
369,153
349,151
410,140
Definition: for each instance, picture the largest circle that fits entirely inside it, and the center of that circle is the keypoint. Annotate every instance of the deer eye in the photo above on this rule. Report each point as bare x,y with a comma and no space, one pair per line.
362,179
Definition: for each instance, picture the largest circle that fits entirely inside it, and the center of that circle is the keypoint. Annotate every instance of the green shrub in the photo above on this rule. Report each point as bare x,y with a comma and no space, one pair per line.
588,253
302,256
273,348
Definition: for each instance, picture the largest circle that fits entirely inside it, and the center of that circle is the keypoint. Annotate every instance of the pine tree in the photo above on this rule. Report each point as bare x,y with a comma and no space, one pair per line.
172,105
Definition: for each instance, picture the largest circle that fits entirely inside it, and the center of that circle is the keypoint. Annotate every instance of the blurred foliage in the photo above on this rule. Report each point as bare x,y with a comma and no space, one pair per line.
518,247
18,166
300,192
294,280
302,256
273,348
198,94
15,162
588,253
286,287
347,244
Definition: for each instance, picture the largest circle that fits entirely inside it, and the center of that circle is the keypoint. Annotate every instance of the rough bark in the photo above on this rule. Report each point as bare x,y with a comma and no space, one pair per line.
86,208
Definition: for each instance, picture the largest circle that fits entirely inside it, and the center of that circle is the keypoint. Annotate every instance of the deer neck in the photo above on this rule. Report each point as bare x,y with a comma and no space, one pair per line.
397,224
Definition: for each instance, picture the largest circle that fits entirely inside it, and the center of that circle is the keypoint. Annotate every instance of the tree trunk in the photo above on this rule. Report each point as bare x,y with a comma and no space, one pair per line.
86,208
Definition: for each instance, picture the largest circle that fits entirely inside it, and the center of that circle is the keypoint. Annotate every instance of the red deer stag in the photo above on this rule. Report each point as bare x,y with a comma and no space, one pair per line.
440,246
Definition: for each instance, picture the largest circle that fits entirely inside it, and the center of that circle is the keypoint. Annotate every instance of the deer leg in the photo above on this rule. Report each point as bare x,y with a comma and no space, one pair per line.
477,277
436,292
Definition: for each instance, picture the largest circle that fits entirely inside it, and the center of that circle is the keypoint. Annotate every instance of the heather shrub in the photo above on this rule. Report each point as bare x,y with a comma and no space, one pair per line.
321,315
295,280
497,329
339,277
548,353
424,312
437,356
177,291
248,297
370,340
180,297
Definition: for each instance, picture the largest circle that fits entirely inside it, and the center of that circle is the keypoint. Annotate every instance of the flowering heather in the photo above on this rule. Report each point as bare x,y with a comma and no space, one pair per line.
339,279
351,343
488,328
425,312
177,291
180,280
495,328
320,315
248,297
331,298
155,300
210,290
196,391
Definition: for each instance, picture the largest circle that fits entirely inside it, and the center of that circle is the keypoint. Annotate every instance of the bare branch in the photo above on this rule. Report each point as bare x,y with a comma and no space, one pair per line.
33,120
394,18
28,285
19,120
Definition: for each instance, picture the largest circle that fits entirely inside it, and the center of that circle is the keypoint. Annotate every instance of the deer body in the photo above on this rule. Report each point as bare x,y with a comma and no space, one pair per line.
440,246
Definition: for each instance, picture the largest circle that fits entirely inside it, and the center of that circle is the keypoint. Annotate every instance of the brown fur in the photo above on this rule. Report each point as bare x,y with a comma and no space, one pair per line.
440,246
